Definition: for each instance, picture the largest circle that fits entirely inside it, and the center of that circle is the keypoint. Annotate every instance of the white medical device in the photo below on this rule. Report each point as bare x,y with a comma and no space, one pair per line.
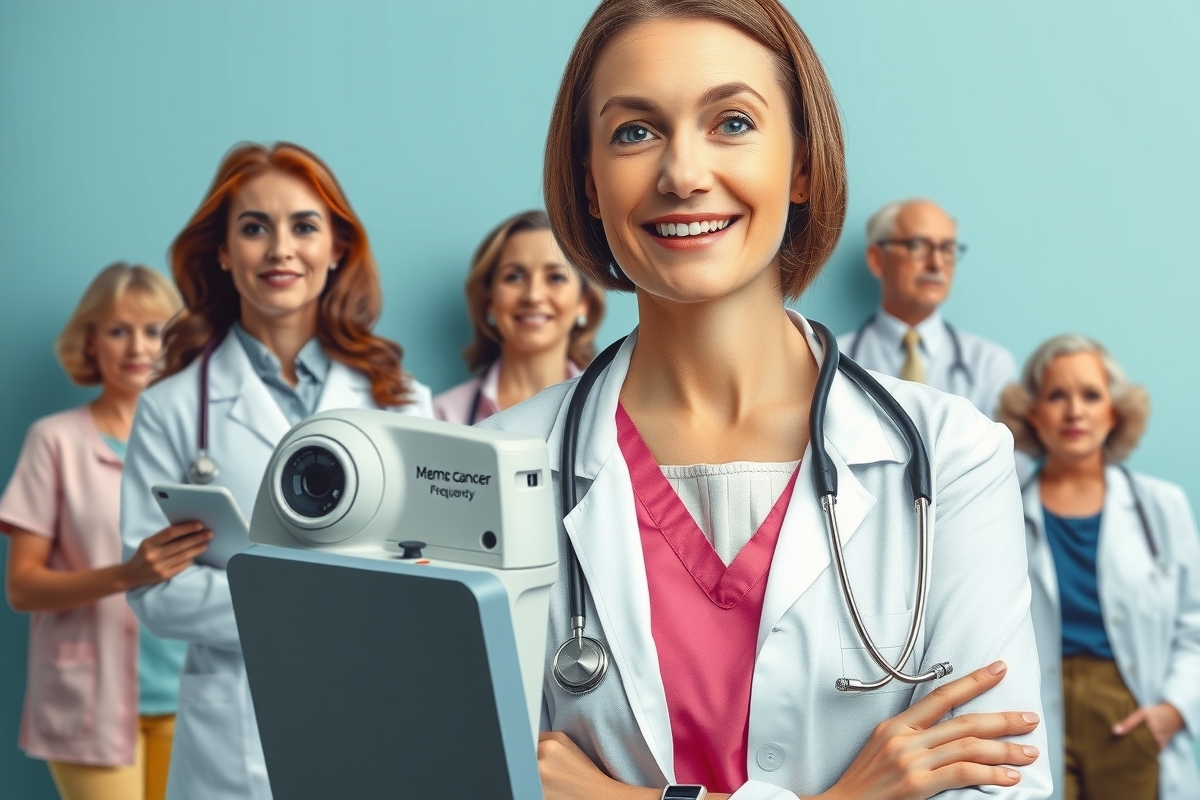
393,608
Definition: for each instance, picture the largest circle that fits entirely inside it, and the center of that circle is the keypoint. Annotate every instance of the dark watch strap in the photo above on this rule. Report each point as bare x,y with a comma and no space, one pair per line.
682,791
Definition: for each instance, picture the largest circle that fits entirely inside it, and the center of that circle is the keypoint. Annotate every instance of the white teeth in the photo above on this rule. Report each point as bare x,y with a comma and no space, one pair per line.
692,228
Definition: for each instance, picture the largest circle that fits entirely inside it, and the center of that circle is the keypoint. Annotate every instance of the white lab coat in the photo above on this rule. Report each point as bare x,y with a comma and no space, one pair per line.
1151,613
803,734
216,753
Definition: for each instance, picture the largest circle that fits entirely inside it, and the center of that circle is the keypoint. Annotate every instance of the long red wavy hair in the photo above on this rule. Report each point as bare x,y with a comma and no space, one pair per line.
349,305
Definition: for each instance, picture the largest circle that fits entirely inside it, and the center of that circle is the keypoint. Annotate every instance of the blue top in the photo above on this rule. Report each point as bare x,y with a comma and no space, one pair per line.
1073,543
159,660
312,369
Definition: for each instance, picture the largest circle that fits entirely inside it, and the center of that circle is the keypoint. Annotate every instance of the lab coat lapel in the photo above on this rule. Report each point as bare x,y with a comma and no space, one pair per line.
1041,560
345,388
232,382
603,529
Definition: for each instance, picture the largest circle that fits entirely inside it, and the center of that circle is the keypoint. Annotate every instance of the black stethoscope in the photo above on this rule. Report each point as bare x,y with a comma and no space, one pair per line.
1143,520
959,364
581,662
203,468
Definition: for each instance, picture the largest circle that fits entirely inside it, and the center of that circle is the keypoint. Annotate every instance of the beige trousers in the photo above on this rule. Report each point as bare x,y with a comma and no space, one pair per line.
1099,764
146,779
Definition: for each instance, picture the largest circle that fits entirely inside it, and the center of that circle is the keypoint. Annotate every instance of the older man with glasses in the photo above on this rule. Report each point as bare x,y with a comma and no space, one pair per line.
913,250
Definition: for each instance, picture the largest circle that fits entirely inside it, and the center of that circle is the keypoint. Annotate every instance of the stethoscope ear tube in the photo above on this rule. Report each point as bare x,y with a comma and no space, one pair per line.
918,462
824,472
920,480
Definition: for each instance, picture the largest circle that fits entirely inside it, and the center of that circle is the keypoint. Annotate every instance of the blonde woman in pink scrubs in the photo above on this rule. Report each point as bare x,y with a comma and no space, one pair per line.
695,158
101,693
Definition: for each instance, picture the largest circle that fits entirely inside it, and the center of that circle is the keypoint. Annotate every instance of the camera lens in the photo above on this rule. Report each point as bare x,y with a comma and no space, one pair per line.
313,482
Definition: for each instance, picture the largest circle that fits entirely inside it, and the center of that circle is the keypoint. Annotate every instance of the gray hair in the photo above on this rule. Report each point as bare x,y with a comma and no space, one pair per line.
882,223
1130,401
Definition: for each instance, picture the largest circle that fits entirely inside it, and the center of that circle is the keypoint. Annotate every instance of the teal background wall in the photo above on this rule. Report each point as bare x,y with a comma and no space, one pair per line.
1064,136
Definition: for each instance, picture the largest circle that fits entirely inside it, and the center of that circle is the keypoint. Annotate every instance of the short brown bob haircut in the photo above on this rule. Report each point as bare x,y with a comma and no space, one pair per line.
485,348
1131,402
813,227
151,288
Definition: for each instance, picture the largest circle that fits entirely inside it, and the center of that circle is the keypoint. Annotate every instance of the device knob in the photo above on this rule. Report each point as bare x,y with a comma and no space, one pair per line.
412,548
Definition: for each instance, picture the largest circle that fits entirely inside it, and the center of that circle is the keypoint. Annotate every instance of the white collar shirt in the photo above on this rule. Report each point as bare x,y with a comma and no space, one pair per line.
879,345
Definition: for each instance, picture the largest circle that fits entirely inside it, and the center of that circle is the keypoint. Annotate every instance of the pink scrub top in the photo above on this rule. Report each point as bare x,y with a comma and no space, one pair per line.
456,404
696,601
81,699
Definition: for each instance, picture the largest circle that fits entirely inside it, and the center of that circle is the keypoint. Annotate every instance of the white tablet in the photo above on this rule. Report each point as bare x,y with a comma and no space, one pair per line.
216,508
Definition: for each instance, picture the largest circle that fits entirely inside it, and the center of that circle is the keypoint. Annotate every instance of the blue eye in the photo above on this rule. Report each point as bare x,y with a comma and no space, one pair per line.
252,229
735,126
306,227
632,134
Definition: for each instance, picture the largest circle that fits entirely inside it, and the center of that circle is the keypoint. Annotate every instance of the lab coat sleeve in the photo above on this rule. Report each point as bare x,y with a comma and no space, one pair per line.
1182,686
195,605
979,600
758,790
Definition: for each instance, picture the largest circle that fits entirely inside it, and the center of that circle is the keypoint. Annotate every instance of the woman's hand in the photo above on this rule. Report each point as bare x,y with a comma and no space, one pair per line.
1163,720
912,756
165,554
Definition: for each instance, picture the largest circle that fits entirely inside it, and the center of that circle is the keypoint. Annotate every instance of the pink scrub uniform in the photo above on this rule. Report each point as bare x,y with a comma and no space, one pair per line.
704,617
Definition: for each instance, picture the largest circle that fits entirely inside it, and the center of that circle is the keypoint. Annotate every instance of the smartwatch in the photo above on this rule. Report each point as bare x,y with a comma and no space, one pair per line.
684,791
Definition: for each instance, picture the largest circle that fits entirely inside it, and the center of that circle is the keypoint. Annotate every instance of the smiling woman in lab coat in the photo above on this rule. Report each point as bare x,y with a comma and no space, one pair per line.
274,266
1115,564
695,158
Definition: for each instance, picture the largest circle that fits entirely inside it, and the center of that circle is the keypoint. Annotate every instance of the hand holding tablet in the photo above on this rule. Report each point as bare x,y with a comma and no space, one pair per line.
213,506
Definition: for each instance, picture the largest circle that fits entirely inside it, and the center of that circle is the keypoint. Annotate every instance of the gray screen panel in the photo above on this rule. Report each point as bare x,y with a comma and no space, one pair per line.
368,684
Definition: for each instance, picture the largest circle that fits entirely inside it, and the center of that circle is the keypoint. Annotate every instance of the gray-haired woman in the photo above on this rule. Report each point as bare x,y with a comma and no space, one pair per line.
1114,564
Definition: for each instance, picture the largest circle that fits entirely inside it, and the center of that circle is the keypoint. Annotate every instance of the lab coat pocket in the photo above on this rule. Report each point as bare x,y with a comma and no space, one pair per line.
65,691
888,632
209,749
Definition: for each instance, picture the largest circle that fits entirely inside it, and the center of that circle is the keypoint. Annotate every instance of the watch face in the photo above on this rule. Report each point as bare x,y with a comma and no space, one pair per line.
678,792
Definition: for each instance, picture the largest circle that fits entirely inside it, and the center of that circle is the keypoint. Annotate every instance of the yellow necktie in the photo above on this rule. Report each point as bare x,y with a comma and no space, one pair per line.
913,368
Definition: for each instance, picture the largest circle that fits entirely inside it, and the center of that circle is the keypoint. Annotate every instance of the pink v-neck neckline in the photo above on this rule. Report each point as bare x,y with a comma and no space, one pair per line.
724,586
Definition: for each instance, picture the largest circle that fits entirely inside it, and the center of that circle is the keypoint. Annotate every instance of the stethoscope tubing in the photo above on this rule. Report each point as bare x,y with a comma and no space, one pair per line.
203,469
959,365
1138,507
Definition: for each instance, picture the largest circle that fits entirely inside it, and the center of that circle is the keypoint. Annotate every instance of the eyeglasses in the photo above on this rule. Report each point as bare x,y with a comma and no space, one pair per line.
920,248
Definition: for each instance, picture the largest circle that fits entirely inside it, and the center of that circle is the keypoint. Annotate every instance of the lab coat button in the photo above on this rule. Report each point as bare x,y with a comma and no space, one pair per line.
770,757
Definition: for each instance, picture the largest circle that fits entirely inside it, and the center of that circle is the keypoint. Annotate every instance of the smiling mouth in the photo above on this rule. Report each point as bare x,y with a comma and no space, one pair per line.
279,277
681,230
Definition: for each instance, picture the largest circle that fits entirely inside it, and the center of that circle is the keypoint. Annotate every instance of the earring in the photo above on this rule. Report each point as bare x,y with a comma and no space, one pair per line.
333,266
594,211
800,198
224,266
491,320
581,321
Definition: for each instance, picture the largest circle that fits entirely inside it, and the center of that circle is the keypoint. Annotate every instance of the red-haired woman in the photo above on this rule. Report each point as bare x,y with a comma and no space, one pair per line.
695,158
280,293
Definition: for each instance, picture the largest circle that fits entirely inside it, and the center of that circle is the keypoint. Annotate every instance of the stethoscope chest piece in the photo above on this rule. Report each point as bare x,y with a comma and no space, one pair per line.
580,664
203,470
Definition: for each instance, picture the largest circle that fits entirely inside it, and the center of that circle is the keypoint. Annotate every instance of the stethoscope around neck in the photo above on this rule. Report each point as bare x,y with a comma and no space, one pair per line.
581,662
203,468
958,365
